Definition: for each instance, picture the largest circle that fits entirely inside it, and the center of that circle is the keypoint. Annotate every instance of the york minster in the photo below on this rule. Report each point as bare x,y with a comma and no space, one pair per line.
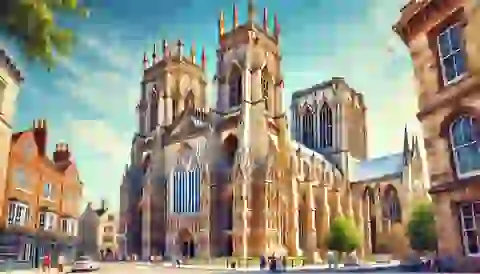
243,178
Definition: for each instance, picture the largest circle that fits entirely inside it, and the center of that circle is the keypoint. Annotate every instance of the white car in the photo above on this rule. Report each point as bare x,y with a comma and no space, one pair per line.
85,263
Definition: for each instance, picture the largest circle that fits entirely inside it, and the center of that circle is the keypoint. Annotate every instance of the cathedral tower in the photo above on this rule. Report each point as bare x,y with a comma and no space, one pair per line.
168,81
249,89
330,118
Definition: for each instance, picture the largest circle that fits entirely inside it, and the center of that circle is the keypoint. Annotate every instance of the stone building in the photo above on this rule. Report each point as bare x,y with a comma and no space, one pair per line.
233,180
88,231
10,80
107,236
449,110
42,197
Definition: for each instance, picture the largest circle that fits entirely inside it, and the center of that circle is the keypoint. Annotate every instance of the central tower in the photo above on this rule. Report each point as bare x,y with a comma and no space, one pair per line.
249,88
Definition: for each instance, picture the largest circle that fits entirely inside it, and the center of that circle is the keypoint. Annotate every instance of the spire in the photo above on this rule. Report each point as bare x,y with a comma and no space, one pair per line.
265,19
251,11
276,27
145,60
179,48
235,16
166,51
154,53
204,59
193,53
406,147
221,24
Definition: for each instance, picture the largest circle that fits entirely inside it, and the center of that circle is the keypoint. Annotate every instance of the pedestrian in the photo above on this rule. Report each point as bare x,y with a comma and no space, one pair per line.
47,263
61,263
263,262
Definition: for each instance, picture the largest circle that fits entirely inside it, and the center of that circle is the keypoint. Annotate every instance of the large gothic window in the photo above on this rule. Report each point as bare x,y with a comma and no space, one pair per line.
464,138
308,132
235,87
326,127
265,86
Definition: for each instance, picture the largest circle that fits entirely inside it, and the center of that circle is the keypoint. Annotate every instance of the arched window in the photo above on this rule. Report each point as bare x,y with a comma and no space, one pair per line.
235,87
464,138
326,127
265,86
153,107
308,127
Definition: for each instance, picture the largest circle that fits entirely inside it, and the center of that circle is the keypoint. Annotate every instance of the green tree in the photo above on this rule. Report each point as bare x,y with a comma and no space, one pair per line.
35,27
421,228
343,236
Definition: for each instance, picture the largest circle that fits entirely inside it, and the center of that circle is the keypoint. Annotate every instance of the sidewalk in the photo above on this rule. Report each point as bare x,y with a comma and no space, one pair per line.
307,268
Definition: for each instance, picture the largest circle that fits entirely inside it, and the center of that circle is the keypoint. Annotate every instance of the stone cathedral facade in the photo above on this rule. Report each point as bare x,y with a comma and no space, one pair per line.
234,179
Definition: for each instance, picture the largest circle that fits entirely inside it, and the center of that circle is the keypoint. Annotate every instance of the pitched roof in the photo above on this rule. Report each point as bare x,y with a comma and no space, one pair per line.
377,168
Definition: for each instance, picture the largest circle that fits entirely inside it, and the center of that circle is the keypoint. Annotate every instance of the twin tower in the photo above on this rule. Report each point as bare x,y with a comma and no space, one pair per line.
172,79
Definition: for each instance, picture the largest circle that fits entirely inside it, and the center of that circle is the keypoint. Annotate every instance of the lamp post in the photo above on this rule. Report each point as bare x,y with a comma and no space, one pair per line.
472,38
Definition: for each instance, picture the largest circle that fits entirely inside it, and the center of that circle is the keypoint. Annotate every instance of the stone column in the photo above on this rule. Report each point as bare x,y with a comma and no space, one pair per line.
360,223
379,213
293,238
311,233
323,213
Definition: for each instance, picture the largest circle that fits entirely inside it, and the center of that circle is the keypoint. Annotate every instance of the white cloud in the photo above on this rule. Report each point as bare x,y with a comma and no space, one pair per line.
99,136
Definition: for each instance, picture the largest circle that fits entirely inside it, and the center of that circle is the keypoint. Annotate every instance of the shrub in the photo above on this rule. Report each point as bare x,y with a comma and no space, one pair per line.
343,236
421,228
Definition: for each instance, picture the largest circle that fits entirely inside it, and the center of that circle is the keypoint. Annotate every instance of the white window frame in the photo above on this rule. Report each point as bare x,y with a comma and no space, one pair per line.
69,226
20,216
441,58
23,186
50,190
49,221
474,228
454,151
26,252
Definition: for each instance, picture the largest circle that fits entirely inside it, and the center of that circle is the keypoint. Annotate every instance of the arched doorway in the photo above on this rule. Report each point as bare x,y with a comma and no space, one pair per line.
186,243
370,217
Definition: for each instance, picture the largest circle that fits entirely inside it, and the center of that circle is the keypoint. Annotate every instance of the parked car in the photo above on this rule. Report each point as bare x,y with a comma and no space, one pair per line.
85,263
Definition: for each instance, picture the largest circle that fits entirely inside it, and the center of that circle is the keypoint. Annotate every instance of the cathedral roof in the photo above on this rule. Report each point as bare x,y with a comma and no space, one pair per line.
391,165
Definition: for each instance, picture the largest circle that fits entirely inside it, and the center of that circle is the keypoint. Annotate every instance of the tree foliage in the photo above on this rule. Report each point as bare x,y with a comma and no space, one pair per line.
343,235
421,228
35,27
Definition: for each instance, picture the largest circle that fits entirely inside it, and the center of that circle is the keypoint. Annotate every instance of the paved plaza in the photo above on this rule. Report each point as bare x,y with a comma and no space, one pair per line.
145,268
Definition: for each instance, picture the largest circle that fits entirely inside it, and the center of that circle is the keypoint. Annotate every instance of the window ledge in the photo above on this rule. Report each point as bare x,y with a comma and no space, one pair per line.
23,190
455,80
468,174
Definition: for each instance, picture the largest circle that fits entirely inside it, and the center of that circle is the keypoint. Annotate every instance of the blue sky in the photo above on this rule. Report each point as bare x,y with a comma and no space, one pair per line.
89,99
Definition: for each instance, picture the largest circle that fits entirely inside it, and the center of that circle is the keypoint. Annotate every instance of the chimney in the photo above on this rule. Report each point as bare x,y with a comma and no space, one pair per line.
61,153
40,134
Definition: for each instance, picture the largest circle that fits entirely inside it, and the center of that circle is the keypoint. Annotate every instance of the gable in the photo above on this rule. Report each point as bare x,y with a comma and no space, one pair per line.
25,145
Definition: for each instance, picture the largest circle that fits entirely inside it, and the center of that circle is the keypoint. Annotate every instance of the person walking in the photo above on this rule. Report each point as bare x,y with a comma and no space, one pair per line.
61,263
47,263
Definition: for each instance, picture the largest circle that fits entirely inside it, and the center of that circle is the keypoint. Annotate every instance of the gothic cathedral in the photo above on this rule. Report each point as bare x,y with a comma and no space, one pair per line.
235,179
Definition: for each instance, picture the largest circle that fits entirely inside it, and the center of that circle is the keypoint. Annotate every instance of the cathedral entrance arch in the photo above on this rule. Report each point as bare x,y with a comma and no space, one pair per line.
186,243
368,200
